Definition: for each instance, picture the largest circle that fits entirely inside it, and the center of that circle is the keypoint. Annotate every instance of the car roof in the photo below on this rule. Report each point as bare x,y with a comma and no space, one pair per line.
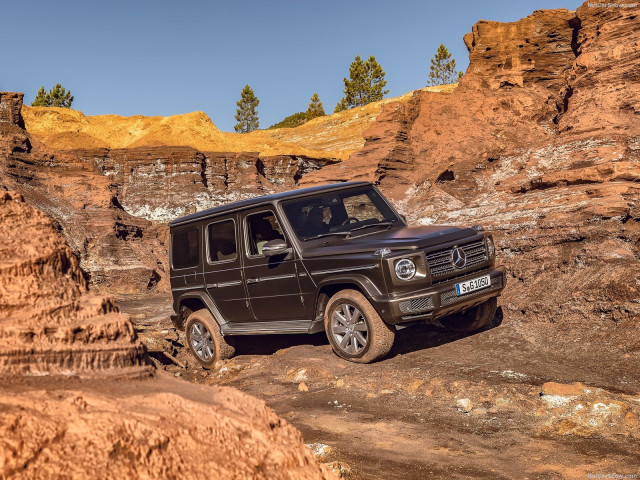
261,200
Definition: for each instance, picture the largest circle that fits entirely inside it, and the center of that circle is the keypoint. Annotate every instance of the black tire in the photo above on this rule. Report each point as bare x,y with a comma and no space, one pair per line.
355,330
473,319
205,340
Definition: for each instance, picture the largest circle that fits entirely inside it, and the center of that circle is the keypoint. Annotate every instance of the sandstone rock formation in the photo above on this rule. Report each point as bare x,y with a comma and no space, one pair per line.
119,252
160,428
540,143
78,399
162,183
48,322
332,136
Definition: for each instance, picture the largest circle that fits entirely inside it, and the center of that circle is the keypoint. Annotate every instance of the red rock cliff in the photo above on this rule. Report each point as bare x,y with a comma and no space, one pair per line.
540,143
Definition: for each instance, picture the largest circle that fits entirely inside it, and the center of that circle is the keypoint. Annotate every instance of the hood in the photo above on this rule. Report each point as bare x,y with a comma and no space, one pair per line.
405,238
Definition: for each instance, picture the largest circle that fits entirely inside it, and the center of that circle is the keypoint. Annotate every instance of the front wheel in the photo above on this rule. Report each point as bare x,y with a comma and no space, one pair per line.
205,340
354,328
473,319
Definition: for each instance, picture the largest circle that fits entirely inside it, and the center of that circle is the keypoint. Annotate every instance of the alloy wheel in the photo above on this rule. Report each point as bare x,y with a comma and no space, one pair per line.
201,341
349,329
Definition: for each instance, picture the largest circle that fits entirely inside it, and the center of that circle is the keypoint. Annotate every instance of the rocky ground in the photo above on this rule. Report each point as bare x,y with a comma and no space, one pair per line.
540,142
508,402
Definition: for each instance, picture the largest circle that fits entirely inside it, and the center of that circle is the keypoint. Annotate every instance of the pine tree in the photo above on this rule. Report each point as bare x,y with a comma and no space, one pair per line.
246,114
315,107
365,84
41,99
58,96
443,68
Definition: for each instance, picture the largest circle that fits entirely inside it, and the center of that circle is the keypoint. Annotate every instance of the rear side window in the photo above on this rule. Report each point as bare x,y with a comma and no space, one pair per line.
222,241
185,250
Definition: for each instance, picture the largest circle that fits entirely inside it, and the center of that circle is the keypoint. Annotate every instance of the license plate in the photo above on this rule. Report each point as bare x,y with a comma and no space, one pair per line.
472,285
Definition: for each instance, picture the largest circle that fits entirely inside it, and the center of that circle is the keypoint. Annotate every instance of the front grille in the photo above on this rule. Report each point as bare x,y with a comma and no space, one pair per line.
416,305
441,266
450,296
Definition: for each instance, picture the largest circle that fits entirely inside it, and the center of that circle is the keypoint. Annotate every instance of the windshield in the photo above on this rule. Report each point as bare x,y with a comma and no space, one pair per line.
338,213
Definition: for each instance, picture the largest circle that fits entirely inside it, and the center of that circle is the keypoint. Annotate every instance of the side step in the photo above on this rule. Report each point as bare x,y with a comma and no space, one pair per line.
267,328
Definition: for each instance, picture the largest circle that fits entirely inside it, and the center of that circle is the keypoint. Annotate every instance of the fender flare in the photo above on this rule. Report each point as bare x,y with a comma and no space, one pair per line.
362,281
204,298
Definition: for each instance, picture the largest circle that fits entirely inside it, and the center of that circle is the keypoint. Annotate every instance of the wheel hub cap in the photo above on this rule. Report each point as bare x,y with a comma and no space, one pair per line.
349,329
201,342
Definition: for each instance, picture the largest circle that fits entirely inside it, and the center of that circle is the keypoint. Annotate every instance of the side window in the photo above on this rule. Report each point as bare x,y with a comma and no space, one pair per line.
262,227
222,241
185,248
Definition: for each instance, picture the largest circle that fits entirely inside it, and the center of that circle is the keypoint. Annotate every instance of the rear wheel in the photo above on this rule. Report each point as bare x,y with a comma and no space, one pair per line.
205,340
473,319
354,328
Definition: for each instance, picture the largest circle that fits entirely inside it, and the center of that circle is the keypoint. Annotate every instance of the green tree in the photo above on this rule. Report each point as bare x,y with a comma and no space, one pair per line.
315,107
41,99
292,121
364,85
58,96
246,114
443,68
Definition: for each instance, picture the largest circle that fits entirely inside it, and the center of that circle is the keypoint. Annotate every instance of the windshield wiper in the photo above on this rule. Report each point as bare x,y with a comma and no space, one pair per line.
379,224
328,234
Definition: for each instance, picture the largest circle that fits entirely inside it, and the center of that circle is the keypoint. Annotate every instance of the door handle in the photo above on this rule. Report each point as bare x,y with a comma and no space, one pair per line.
251,281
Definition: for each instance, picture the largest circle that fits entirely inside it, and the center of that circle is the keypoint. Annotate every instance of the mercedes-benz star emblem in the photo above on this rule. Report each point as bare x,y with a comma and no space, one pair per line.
458,258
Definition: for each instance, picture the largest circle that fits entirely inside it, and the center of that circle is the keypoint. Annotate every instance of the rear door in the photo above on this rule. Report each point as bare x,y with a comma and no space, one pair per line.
223,269
272,282
186,269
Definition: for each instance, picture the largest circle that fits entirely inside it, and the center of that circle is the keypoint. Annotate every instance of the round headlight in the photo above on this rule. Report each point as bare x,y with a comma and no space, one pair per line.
490,246
405,269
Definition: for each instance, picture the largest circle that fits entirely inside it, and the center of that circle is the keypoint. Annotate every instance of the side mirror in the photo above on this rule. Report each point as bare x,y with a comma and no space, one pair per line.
275,247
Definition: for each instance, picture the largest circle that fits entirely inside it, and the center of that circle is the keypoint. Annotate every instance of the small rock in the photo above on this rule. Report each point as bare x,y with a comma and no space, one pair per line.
340,383
631,419
464,405
177,374
414,386
303,387
341,469
320,450
386,391
563,389
301,375
479,411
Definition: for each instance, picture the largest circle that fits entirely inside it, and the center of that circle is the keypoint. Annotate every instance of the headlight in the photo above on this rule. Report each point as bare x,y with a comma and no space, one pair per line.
405,269
491,248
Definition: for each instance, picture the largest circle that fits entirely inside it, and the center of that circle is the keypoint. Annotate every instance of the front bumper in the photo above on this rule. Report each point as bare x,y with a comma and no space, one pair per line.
439,300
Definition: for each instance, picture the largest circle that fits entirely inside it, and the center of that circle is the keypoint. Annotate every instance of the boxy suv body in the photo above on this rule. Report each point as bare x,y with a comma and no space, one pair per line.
336,258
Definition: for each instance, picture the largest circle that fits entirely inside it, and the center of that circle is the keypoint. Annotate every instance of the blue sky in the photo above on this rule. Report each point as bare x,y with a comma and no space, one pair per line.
168,57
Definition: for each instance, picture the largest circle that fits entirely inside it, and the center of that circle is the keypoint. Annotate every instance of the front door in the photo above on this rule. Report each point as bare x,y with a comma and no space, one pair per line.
223,270
272,282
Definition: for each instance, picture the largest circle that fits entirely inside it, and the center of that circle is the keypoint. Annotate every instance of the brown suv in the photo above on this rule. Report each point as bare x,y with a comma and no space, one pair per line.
336,258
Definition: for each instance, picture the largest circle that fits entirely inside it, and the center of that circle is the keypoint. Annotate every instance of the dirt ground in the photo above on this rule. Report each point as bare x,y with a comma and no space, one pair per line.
442,405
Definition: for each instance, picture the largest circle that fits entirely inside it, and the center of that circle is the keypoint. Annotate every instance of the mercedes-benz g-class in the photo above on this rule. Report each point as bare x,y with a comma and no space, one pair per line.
337,258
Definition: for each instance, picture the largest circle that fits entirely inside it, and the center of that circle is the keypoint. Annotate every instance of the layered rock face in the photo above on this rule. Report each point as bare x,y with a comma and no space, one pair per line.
48,321
78,398
119,252
541,144
162,183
